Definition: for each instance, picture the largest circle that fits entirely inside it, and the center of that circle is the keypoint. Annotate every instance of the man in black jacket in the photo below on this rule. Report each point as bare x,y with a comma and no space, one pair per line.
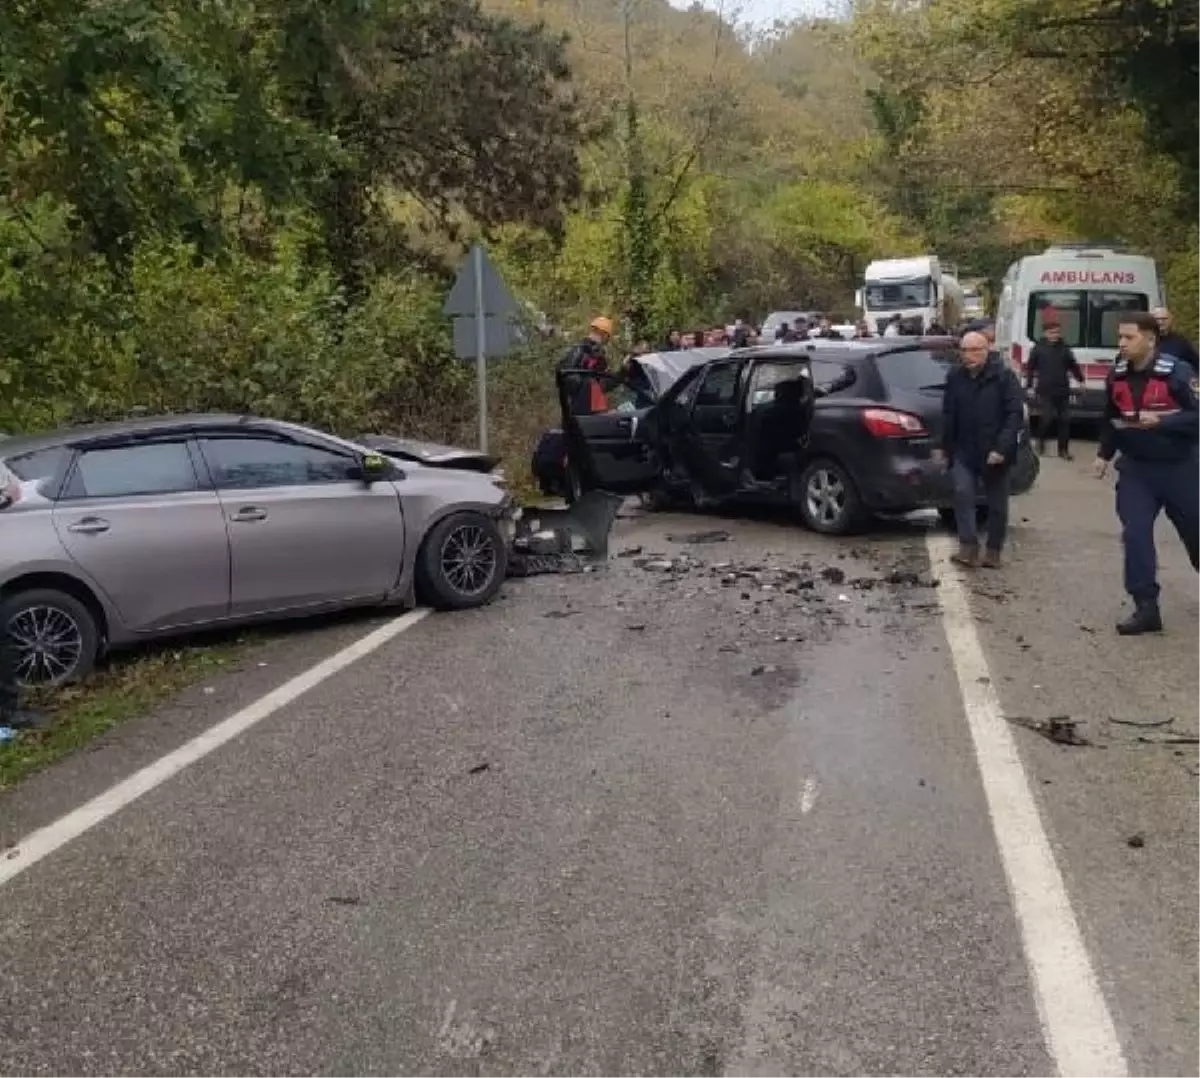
983,414
1173,343
1050,369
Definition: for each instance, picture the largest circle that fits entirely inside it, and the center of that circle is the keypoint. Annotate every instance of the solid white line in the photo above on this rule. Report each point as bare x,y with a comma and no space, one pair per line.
42,843
1076,1023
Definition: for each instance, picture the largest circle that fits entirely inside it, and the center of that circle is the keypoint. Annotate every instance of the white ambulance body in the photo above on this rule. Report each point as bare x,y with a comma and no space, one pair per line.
1090,288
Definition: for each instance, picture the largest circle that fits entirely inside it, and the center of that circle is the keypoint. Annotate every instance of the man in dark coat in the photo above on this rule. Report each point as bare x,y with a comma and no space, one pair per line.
586,395
1049,371
983,414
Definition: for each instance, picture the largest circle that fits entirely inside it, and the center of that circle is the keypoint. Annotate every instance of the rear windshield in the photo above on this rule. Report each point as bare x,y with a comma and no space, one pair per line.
1088,319
912,371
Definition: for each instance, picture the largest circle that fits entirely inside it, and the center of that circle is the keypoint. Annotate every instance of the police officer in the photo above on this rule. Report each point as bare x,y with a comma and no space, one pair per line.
10,713
1151,419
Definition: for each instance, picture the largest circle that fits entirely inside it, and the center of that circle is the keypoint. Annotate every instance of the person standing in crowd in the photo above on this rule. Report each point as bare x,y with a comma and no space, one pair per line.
862,330
982,418
741,334
1150,418
674,341
1172,343
1048,375
11,713
698,339
586,395
893,327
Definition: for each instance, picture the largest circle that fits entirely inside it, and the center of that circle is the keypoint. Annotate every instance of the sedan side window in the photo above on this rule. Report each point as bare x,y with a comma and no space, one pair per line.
254,463
126,471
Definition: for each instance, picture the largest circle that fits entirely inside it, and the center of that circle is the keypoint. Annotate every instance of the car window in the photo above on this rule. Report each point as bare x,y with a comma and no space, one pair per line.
252,463
1088,318
125,471
40,464
920,370
830,375
718,387
767,376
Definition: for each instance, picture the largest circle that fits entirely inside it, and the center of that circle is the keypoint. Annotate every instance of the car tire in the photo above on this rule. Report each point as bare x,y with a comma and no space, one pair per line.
39,613
446,580
833,509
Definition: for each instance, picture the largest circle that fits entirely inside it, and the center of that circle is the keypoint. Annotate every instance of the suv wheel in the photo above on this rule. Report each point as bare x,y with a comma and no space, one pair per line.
828,499
54,637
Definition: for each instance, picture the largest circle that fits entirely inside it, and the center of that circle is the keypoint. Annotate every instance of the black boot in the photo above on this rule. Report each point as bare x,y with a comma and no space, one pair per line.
1144,619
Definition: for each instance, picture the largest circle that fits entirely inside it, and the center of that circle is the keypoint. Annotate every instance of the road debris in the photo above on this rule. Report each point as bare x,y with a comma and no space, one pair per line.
561,613
1142,723
1061,729
479,769
1135,842
696,538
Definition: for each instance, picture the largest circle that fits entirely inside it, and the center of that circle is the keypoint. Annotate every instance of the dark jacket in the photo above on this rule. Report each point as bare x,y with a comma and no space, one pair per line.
982,413
1177,345
1051,367
584,393
1168,387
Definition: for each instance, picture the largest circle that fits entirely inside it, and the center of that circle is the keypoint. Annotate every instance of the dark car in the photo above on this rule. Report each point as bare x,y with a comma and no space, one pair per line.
840,431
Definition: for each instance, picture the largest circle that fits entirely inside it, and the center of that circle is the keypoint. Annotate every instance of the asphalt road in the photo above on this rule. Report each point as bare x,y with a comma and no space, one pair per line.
737,814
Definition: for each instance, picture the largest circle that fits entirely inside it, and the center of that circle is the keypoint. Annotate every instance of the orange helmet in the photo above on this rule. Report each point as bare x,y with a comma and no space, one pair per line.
602,325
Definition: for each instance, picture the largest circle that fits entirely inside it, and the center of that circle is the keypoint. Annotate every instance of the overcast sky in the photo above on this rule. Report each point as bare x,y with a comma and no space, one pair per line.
762,13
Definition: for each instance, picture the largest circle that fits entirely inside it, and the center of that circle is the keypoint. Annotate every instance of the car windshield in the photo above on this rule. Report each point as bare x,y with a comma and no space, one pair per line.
899,295
1089,319
916,371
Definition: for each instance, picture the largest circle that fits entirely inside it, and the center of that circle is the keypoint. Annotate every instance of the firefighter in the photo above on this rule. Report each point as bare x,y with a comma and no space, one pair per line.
1151,419
586,395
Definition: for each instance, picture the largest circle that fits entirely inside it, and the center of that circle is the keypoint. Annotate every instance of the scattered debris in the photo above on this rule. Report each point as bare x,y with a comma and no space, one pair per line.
636,627
1135,842
696,538
479,769
561,613
1142,723
833,574
1061,729
758,671
1087,629
344,900
630,552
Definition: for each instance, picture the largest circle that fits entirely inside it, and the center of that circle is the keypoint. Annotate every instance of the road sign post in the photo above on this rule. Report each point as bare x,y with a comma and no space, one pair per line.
481,302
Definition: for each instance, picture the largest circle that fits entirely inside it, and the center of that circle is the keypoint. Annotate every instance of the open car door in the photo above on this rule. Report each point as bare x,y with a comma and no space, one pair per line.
612,450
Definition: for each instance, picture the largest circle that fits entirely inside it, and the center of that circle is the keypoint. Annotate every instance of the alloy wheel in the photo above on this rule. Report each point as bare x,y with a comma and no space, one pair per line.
469,559
47,642
825,497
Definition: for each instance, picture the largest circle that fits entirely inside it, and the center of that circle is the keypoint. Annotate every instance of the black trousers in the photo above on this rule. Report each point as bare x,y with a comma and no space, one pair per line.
8,677
1055,413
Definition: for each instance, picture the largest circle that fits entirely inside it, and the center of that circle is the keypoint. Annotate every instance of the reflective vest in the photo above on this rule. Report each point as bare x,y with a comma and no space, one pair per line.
1156,396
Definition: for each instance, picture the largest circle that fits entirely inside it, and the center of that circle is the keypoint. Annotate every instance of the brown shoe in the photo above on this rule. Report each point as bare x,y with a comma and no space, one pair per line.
991,559
967,557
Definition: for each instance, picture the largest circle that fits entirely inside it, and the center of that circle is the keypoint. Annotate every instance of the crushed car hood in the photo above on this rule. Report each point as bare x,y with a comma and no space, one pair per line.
429,454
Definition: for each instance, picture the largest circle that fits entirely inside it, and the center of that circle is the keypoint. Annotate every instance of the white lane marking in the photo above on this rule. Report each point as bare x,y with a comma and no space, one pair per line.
808,796
42,843
1076,1022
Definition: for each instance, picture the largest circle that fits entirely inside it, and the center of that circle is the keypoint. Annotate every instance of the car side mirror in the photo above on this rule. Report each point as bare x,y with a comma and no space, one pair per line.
374,467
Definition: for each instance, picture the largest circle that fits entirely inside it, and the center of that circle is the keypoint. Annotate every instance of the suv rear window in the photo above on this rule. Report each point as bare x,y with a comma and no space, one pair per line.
913,371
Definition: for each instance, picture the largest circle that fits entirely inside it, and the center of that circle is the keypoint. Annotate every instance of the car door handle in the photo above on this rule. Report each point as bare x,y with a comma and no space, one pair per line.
249,513
89,526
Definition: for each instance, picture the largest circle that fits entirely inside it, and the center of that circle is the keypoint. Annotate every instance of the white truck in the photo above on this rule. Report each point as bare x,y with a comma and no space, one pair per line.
921,291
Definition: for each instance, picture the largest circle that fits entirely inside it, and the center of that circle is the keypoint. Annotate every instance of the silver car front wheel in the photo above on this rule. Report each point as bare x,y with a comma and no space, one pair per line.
53,636
462,562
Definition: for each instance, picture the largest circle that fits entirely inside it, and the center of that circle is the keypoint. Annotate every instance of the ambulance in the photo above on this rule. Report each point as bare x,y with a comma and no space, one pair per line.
1090,288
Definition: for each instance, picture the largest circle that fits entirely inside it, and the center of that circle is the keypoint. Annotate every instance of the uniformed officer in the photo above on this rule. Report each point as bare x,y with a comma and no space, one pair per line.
1151,419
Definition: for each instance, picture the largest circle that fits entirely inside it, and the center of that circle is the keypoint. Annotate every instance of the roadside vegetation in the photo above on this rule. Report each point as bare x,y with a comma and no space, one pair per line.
258,205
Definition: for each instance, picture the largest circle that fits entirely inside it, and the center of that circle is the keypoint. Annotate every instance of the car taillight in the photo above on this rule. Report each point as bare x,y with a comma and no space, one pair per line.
888,423
1018,356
